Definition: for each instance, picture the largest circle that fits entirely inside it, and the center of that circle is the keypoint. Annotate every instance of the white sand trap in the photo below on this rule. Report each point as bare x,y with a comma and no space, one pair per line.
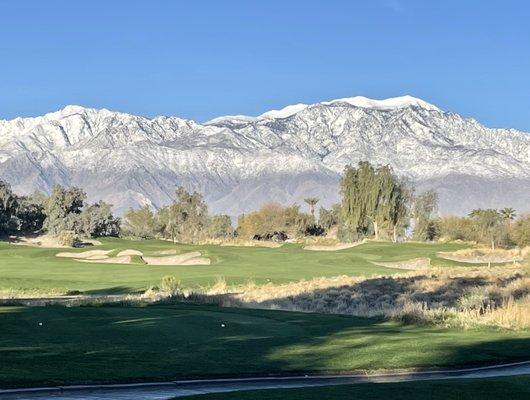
252,243
414,264
129,252
167,252
196,261
50,241
84,254
335,247
191,258
109,260
98,257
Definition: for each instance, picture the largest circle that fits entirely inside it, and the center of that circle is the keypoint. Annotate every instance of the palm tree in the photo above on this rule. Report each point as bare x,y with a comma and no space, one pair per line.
508,213
475,213
311,202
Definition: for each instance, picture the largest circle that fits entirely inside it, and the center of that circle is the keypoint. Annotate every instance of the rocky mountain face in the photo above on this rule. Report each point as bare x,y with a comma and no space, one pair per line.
239,162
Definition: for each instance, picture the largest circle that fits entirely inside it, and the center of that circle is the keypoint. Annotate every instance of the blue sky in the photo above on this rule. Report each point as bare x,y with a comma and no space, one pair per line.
201,59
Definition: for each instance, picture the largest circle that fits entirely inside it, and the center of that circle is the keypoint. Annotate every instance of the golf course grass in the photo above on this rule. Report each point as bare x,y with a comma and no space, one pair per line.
53,345
514,388
38,270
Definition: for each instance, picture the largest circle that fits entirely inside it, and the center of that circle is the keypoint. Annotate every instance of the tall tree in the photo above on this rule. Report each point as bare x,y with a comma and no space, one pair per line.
8,208
424,207
62,209
489,224
372,198
186,218
508,213
97,220
139,223
311,202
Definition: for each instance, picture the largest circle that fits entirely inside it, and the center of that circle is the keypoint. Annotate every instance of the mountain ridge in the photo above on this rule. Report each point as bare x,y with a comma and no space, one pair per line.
238,162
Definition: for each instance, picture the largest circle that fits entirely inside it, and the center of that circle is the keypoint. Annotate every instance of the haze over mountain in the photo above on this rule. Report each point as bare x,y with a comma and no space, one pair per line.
239,162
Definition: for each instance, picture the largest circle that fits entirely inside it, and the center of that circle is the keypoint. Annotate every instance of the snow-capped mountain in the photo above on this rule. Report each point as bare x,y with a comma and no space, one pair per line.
239,162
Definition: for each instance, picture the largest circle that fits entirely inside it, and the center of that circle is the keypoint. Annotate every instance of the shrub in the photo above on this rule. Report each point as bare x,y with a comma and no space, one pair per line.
170,286
68,238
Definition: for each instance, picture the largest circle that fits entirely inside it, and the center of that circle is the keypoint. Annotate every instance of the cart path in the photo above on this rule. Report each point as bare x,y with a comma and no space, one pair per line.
167,390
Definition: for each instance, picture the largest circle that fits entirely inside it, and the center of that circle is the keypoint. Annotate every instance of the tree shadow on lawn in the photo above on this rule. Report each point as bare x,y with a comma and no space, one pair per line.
106,344
377,296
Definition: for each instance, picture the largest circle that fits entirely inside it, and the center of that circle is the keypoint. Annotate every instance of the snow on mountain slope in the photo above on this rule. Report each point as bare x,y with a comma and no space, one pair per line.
239,162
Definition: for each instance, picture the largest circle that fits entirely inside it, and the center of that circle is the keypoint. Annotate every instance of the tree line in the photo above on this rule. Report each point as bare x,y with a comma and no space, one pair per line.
375,203
63,210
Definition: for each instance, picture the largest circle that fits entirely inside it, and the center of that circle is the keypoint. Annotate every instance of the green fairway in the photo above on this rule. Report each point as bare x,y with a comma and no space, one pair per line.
517,387
33,269
60,345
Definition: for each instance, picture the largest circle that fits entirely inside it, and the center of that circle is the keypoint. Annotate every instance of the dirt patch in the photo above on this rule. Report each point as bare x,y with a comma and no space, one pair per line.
85,254
414,264
482,256
191,258
129,252
108,260
334,247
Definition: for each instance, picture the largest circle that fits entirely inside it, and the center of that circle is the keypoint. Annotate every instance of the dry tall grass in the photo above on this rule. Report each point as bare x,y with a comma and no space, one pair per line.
464,297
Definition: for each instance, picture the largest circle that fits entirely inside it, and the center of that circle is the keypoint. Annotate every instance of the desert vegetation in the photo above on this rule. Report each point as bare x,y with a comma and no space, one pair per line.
457,297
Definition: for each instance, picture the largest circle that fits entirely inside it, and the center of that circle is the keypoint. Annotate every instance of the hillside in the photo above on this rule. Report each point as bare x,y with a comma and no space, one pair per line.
239,162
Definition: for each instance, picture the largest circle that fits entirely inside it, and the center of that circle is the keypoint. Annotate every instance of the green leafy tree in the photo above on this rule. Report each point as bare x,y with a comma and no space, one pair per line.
63,208
186,219
424,207
97,220
30,213
8,208
372,198
488,224
220,226
329,218
520,231
139,223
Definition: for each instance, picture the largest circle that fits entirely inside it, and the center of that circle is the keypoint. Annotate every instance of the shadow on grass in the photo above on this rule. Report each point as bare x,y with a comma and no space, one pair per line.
74,345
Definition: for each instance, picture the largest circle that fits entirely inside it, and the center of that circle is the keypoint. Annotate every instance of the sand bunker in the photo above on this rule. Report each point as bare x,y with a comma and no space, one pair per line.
334,247
482,256
109,260
125,257
414,264
191,258
252,243
85,254
167,252
129,252
49,241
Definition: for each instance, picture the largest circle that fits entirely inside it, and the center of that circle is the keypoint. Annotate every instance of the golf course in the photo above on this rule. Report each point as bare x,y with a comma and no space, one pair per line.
162,341
37,270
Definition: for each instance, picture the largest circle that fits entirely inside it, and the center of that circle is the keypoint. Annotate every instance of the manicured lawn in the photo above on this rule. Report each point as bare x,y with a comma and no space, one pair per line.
37,269
513,388
60,345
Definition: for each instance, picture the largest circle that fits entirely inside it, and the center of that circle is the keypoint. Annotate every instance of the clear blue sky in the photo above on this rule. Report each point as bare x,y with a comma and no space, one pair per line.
201,59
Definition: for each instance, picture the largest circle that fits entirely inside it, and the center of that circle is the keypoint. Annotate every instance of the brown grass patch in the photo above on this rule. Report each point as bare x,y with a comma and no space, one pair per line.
464,297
